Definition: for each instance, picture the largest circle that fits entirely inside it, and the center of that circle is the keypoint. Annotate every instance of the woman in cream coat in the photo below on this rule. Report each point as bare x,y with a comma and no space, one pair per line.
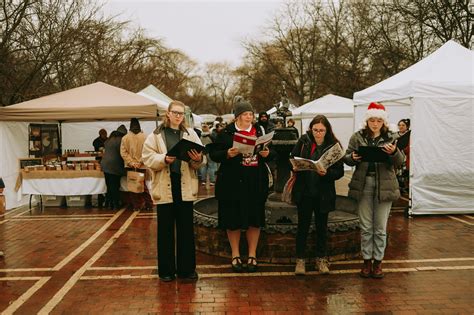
174,188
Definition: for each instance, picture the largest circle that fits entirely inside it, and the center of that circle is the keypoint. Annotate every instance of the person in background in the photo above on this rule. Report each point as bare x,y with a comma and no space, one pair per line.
2,187
279,124
210,168
99,142
315,192
264,121
403,172
131,152
112,166
241,185
174,188
374,186
98,145
216,130
291,125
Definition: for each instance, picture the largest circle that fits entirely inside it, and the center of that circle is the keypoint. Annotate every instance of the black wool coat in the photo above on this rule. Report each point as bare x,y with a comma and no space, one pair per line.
229,174
326,186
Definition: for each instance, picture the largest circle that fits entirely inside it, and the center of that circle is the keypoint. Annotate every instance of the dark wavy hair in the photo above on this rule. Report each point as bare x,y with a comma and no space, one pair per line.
329,137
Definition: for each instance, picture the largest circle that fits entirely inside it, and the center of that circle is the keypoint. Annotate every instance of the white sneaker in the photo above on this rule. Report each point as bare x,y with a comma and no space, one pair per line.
322,264
300,268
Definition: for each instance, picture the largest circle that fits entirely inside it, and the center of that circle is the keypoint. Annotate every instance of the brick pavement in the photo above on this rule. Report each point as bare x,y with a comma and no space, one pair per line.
91,261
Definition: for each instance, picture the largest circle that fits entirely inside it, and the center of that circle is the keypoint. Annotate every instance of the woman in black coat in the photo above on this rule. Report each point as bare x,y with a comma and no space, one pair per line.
314,191
241,185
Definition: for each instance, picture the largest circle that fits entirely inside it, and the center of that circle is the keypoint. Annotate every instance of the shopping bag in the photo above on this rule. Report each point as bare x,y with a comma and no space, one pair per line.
287,194
136,181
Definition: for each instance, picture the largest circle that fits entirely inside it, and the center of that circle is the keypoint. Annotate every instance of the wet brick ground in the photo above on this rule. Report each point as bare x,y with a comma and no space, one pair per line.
91,261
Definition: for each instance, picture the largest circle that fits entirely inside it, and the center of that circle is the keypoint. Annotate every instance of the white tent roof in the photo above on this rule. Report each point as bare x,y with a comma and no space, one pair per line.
329,105
446,65
162,100
153,93
97,101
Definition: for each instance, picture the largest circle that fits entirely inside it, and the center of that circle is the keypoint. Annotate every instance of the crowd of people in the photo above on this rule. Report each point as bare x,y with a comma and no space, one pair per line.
242,187
242,184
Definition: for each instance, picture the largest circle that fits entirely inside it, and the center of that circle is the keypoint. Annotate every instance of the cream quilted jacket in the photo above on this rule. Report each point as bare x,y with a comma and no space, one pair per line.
153,155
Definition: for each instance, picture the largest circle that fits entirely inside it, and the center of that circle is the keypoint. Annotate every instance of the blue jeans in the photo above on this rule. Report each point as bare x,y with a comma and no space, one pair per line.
210,169
373,217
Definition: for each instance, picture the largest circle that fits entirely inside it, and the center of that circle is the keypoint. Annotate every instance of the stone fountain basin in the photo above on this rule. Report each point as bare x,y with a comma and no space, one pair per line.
277,240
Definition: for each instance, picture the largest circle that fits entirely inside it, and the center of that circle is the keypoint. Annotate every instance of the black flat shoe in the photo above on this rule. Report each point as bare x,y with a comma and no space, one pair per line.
167,278
252,264
237,266
189,276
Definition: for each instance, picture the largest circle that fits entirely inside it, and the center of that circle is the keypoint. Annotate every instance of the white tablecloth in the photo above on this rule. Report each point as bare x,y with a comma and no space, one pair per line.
64,186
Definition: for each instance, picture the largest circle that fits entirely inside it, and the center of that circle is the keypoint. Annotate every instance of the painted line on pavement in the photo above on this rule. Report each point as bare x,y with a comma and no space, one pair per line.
77,275
88,242
69,215
263,264
460,220
25,296
15,216
26,269
398,261
57,219
284,273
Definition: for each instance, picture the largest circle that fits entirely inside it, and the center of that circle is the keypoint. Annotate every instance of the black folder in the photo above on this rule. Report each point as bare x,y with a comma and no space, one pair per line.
372,154
180,149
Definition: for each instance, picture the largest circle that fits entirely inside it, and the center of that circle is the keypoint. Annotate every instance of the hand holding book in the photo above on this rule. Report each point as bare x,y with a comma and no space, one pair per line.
329,157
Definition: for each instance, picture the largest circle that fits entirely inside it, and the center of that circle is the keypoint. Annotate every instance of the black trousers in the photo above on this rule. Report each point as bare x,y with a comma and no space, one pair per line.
183,260
113,189
306,208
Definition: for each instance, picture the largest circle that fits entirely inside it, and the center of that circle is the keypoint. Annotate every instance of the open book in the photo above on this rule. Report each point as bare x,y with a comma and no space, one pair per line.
331,156
180,149
248,145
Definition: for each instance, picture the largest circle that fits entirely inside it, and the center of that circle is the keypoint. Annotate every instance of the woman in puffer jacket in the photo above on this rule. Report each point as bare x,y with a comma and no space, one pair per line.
374,185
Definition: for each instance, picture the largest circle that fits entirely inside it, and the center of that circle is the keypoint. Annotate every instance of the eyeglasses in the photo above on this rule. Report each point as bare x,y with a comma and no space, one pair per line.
319,130
177,114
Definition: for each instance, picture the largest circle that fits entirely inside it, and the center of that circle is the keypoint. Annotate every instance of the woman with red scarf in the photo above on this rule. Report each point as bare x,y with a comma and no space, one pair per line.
241,185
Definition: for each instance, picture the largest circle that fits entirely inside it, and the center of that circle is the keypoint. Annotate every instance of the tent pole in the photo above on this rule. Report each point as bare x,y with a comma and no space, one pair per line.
60,140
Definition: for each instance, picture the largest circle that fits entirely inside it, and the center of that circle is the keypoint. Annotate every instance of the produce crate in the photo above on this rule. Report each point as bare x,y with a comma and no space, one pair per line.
52,200
76,201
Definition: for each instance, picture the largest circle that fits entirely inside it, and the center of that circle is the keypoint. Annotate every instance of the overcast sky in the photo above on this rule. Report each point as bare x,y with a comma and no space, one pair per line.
207,31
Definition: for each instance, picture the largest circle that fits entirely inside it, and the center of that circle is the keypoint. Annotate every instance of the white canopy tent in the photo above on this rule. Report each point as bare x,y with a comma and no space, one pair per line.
100,104
437,94
162,100
339,110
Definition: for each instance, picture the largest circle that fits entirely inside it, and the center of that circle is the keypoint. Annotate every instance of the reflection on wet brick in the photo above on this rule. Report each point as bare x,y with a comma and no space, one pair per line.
429,270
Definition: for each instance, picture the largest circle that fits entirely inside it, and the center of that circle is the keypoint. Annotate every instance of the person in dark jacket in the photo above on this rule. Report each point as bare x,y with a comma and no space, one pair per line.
265,122
315,192
113,166
374,185
241,185
99,142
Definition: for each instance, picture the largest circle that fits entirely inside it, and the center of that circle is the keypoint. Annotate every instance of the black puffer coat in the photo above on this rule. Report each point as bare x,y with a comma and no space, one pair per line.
326,186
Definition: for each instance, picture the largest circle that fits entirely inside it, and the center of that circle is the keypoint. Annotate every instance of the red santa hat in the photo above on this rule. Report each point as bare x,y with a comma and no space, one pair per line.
377,110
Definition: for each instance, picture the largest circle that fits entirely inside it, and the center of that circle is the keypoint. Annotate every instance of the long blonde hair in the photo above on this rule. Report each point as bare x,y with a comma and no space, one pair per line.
182,125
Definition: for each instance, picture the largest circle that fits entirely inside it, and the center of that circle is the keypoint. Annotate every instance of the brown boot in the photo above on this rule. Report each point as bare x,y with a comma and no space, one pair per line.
366,270
377,271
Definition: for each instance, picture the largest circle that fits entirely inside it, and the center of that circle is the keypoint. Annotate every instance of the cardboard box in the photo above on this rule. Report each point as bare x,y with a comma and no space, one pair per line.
76,201
52,200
